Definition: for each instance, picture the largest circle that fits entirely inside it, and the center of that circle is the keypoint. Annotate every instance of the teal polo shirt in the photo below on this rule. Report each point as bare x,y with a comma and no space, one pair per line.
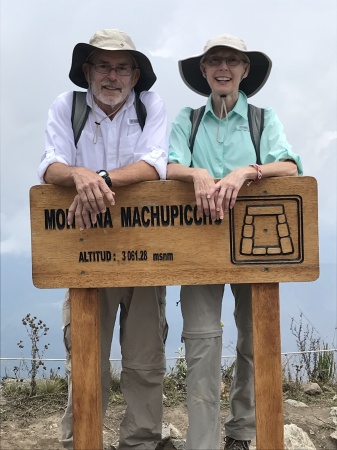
233,148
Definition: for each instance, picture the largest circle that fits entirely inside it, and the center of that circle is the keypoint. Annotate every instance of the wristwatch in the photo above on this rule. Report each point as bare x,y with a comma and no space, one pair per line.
104,174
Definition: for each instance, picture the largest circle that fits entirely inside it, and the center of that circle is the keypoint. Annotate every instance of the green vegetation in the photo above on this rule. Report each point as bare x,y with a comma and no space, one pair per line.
316,363
36,329
24,397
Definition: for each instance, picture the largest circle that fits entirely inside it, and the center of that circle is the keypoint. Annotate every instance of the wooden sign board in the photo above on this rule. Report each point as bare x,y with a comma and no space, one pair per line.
155,236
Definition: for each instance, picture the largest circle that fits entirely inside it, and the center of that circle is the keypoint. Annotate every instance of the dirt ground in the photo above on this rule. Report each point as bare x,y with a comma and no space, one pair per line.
40,430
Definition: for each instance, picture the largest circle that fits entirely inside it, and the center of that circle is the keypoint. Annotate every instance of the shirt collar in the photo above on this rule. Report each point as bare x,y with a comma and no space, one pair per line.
241,106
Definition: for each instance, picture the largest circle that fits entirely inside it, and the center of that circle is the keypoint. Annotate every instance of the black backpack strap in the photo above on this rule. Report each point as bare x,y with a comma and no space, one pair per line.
195,117
140,110
79,113
256,123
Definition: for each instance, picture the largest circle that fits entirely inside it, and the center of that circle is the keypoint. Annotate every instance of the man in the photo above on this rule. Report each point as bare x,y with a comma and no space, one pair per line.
112,150
227,74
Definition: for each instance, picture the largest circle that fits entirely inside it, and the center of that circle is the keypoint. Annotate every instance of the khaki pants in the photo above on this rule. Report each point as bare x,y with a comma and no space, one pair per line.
202,334
143,331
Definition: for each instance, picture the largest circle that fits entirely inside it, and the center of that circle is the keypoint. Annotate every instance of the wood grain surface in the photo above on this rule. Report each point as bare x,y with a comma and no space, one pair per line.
154,236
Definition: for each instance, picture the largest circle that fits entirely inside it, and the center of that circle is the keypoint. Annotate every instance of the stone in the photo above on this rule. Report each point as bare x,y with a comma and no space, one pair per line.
312,389
171,438
295,438
333,415
333,436
174,432
296,403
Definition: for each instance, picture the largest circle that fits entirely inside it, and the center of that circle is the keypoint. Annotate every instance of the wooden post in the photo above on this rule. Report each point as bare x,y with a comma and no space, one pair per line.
267,366
149,238
86,368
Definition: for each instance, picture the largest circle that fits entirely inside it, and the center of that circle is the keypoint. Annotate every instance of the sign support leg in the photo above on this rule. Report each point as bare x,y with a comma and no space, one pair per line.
86,368
267,367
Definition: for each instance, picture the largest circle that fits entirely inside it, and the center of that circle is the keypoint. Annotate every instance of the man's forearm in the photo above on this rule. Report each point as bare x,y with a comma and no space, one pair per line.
133,173
59,173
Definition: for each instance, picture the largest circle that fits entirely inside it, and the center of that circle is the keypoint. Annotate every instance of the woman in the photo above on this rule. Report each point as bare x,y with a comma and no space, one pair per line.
227,74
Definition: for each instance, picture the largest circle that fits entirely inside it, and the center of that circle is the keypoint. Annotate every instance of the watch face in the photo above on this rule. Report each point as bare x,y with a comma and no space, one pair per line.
105,175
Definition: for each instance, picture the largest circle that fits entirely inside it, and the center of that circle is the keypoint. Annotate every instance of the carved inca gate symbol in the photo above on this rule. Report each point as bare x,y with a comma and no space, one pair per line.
274,217
271,230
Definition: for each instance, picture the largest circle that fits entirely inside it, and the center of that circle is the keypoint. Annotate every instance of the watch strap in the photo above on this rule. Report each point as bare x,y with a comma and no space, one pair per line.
104,174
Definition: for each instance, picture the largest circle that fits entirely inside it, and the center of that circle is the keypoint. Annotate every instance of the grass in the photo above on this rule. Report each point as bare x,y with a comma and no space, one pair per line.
51,395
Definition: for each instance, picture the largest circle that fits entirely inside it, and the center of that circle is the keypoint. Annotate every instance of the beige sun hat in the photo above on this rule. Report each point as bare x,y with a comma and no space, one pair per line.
111,39
260,67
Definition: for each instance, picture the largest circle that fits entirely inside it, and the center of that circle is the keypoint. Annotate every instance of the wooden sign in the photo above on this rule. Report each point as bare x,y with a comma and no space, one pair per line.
155,236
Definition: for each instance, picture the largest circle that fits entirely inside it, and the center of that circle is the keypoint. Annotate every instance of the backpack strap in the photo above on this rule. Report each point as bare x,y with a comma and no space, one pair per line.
195,117
256,123
79,113
140,110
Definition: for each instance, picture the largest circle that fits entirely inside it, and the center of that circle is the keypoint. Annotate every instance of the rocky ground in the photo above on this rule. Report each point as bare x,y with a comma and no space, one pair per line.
38,428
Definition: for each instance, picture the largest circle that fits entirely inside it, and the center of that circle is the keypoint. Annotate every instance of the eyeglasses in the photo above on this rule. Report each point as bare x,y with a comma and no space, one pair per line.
216,61
122,71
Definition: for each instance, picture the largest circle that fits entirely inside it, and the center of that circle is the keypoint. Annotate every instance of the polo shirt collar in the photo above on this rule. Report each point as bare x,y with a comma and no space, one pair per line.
241,106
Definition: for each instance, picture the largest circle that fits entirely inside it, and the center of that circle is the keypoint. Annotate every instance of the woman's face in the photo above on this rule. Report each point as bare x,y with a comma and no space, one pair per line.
224,68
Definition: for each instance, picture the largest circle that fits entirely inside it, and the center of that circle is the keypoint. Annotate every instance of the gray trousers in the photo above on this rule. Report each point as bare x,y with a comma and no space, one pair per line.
202,334
143,331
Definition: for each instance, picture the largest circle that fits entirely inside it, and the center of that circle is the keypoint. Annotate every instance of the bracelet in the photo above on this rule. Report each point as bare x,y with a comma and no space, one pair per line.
258,176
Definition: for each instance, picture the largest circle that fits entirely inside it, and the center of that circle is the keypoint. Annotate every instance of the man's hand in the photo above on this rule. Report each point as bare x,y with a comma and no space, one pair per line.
92,189
84,217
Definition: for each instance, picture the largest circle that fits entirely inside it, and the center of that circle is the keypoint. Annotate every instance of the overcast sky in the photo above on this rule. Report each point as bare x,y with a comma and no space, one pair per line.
38,36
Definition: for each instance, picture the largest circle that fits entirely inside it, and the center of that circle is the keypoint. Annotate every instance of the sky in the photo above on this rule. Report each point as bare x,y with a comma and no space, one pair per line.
37,40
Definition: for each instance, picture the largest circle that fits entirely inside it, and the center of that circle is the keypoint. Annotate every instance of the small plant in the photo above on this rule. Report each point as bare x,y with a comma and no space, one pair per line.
326,366
316,361
228,373
175,381
179,371
36,329
116,396
18,388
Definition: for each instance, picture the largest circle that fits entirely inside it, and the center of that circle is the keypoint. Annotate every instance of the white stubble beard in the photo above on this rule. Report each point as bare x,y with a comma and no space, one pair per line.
112,101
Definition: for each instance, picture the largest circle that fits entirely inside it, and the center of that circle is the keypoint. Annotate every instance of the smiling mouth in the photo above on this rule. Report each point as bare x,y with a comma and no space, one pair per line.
222,78
112,88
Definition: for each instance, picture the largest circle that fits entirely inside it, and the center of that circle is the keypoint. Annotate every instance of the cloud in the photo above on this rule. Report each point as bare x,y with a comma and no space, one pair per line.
15,232
302,86
166,48
326,139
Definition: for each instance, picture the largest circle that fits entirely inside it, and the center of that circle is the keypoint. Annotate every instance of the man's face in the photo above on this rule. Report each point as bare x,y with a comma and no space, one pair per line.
224,68
110,89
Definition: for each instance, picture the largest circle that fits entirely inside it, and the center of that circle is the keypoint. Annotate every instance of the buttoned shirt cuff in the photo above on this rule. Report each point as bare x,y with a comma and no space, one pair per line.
157,158
48,158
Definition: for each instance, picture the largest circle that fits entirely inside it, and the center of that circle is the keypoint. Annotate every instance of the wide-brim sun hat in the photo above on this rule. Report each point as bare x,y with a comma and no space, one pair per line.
260,67
111,39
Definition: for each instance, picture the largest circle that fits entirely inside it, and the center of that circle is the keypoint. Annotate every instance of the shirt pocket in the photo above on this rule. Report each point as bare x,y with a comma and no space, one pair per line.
88,154
133,126
242,128
127,148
